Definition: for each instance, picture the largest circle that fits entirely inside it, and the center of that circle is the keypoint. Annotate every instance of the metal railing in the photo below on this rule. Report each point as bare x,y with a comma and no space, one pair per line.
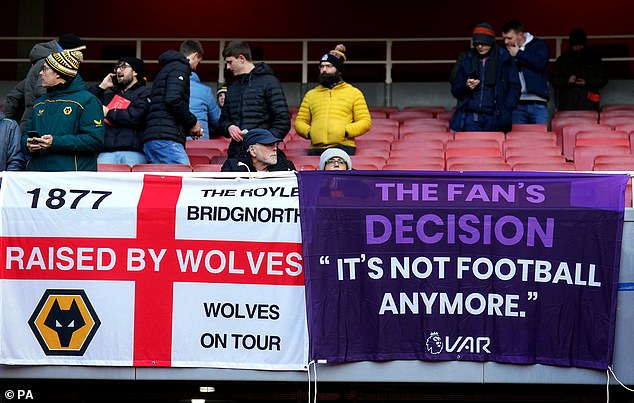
385,44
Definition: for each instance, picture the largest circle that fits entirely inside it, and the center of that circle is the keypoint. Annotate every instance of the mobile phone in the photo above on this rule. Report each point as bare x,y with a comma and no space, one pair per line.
474,75
32,133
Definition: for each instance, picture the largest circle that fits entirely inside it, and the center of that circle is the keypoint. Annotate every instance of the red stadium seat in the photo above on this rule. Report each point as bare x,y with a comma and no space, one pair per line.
114,168
544,166
497,136
207,167
529,127
569,133
162,168
584,155
479,166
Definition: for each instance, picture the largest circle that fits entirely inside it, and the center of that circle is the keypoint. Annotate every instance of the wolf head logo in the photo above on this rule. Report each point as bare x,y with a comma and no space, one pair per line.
65,322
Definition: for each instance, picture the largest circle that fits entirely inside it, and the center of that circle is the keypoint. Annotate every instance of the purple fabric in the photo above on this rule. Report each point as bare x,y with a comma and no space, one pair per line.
507,267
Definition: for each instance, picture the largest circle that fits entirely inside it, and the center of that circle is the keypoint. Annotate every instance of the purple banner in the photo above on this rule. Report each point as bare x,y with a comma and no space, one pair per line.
508,267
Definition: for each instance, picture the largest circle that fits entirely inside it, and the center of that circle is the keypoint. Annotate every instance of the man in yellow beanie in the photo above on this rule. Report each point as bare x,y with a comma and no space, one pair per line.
333,113
65,131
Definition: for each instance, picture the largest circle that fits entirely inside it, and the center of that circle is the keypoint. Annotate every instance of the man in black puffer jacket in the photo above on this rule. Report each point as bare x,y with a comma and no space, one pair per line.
254,100
169,120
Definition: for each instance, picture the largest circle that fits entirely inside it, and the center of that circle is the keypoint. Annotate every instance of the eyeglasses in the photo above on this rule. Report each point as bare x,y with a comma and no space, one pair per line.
336,161
45,68
122,66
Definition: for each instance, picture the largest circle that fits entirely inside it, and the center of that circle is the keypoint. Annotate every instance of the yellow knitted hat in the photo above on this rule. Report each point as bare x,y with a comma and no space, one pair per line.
67,61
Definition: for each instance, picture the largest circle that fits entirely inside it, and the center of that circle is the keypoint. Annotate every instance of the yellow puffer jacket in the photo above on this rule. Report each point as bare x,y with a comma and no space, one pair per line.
329,117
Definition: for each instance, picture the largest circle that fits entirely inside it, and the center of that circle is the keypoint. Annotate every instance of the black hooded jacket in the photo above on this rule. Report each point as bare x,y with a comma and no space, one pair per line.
124,127
255,99
169,117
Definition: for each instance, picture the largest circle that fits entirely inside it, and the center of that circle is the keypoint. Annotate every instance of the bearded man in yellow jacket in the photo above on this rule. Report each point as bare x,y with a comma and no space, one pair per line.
335,112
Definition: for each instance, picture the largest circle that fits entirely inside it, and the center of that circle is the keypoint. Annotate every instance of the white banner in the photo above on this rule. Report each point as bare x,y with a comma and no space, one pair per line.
151,270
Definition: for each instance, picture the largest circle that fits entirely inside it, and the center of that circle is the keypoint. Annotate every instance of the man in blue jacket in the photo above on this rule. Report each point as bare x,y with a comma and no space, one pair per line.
202,102
486,85
531,58
169,120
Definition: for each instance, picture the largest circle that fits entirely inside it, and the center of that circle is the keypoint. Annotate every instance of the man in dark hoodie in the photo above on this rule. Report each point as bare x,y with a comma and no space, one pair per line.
169,120
125,106
20,100
254,100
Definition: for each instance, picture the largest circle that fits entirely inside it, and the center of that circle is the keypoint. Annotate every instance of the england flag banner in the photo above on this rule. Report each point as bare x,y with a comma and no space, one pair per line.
517,268
151,270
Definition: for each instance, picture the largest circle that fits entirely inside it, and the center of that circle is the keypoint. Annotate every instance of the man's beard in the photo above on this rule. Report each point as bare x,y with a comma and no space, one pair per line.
329,80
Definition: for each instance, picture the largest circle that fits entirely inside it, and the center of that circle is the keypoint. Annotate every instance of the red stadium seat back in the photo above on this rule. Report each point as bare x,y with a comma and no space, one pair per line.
423,136
479,166
584,155
433,109
162,168
497,136
569,133
544,166
406,115
529,127
577,114
207,167
114,168
534,158
418,165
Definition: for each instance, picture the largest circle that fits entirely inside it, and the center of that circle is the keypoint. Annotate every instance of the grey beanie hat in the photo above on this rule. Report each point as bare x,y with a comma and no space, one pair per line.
334,152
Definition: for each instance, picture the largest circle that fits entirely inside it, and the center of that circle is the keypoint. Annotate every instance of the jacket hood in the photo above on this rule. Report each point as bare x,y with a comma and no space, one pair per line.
172,56
77,84
262,69
43,49
193,76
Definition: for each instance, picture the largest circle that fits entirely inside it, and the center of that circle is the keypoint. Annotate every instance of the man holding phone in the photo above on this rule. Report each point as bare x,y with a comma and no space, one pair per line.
65,131
486,85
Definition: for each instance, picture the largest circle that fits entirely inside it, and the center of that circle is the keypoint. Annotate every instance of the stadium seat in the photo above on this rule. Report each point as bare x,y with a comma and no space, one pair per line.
569,133
584,155
617,112
479,166
378,135
406,115
529,127
619,158
577,114
557,124
368,161
386,109
625,127
497,136
610,107
415,165
538,149
433,109
473,159
544,166
114,168
378,115
528,135
468,142
423,137
198,159
426,121
207,167
613,165
162,168
534,158
614,121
